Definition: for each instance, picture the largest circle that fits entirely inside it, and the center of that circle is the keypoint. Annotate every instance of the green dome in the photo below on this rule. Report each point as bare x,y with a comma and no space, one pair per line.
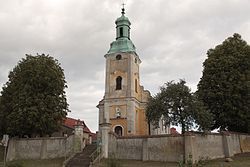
123,20
122,45
122,42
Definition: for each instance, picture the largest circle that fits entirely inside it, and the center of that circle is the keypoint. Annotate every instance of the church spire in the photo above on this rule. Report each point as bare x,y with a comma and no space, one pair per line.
122,26
122,42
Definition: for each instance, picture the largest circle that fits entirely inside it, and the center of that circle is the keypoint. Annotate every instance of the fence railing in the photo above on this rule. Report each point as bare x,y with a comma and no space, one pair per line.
96,155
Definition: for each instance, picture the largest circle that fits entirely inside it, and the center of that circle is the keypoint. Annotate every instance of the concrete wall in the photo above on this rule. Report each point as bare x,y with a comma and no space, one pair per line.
234,143
153,148
174,148
40,148
208,146
133,148
165,148
245,143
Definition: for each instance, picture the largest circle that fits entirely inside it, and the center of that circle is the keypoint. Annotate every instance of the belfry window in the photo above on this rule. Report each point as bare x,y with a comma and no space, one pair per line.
121,31
118,83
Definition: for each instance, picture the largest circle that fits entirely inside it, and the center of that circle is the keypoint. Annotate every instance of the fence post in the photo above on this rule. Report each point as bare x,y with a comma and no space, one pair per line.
105,128
190,153
226,144
78,138
145,149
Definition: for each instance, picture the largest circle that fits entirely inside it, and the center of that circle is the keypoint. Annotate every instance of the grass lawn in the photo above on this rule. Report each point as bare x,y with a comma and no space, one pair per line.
238,161
134,163
37,163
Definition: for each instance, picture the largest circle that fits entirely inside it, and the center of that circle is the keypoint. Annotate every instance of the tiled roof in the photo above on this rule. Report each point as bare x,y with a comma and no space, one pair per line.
173,131
94,136
86,129
71,122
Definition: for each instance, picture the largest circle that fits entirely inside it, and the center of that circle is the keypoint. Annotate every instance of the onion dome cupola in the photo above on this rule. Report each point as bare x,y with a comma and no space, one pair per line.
122,42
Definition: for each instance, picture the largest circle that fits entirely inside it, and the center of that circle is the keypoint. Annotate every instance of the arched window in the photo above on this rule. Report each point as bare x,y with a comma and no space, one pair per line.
121,31
118,83
118,130
136,85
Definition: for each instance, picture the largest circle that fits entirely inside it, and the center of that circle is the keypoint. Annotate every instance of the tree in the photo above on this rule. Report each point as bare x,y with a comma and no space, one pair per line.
33,100
1,121
203,118
225,84
152,112
178,105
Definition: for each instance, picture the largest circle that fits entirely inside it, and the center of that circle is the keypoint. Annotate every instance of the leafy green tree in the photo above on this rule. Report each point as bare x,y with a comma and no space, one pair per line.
152,112
178,105
33,100
225,85
203,118
1,121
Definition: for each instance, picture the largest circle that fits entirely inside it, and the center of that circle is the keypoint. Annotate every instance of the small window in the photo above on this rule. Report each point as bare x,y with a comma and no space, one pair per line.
136,85
118,57
118,130
121,31
118,83
135,60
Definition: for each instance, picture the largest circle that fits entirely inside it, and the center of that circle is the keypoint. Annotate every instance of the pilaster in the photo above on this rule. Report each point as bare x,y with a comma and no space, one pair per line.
105,129
78,138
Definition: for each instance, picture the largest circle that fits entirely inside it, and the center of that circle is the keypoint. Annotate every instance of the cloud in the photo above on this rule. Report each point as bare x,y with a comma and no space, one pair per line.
172,38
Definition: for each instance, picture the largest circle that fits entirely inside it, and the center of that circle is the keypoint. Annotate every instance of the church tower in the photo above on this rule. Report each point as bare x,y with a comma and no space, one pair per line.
124,103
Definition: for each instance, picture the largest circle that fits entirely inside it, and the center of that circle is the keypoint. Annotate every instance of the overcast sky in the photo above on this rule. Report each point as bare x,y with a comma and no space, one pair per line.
171,37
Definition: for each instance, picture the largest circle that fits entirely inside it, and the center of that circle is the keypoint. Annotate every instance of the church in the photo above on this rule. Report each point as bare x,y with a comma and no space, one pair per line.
124,103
